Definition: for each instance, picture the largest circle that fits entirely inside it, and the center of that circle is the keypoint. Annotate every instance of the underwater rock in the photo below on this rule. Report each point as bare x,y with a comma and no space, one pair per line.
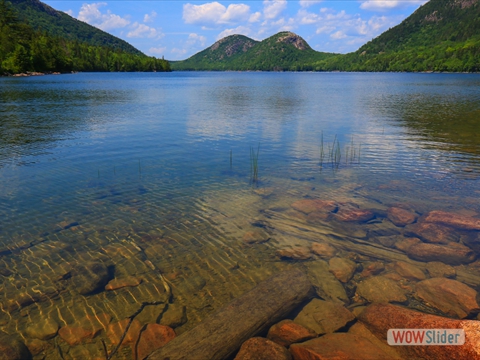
387,241
338,346
342,269
307,206
264,192
129,281
175,316
115,331
449,296
326,285
373,268
318,217
12,348
381,289
89,277
258,348
24,298
151,314
152,338
352,214
43,330
324,317
36,346
400,217
409,271
85,329
379,318
255,237
323,250
452,254
191,285
439,269
295,253
455,220
287,332
432,233
221,334
360,329
403,244
472,240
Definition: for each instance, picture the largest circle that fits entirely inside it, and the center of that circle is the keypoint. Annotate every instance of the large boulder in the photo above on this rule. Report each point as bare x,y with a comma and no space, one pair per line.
379,318
400,217
454,220
381,289
449,296
453,253
287,332
432,233
258,348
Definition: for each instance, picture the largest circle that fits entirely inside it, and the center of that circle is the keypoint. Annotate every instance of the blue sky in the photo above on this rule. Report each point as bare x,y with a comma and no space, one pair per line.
178,29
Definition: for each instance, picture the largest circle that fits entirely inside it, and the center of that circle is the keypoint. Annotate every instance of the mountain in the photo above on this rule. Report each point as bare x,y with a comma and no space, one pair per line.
441,35
281,52
58,43
58,24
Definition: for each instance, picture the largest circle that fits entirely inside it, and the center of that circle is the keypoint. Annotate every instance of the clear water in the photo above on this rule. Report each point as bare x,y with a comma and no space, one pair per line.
132,169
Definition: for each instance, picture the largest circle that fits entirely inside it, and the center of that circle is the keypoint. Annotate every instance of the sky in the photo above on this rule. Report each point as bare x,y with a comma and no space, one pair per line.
179,29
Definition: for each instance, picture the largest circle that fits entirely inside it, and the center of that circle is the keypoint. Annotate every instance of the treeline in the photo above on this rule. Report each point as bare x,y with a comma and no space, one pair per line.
24,49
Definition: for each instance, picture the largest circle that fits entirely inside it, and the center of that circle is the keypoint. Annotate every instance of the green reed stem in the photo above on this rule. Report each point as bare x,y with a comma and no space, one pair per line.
321,150
254,163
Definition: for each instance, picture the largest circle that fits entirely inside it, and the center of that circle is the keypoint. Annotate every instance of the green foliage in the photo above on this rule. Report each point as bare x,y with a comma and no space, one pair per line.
24,49
284,51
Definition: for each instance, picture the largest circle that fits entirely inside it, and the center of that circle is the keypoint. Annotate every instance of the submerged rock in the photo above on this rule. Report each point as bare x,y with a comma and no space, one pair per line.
129,281
455,220
326,285
338,346
400,217
12,348
258,348
255,237
449,296
152,338
439,269
115,331
381,289
287,332
373,268
307,206
89,277
323,250
432,233
360,329
175,316
295,253
409,271
352,214
342,269
85,329
379,318
43,330
453,253
324,317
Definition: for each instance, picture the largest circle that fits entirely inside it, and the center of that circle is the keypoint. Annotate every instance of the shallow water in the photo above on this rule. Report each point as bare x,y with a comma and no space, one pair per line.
150,174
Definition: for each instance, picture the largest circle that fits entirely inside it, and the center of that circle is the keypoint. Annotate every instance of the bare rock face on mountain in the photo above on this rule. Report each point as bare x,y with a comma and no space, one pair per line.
293,39
235,44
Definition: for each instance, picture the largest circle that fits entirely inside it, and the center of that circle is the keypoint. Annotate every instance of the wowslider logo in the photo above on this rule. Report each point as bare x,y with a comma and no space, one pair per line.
426,337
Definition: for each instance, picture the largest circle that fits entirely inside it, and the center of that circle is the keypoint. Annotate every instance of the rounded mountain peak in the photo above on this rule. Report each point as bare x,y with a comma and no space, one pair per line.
289,37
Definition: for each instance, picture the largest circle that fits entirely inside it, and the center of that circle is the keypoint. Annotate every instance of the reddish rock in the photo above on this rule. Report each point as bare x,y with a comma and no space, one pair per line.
84,330
381,289
439,269
36,346
258,348
457,221
338,346
307,206
318,217
324,317
287,332
115,331
449,296
152,338
400,217
374,268
255,237
342,269
295,253
351,214
409,271
379,318
129,281
361,330
432,233
453,253
405,243
323,250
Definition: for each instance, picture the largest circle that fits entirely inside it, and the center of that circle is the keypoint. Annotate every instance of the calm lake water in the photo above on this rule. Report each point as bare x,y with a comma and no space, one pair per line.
150,175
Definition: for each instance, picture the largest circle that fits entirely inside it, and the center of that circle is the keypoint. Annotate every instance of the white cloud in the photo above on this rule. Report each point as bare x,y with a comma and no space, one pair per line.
255,17
215,13
143,31
69,12
383,5
338,35
178,51
149,17
91,14
273,8
157,51
308,3
193,39
242,30
307,18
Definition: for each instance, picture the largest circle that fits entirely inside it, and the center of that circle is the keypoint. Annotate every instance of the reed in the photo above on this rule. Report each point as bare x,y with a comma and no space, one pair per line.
254,163
322,154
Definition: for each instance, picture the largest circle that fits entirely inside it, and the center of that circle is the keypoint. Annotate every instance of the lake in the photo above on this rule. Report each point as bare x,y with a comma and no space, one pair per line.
190,188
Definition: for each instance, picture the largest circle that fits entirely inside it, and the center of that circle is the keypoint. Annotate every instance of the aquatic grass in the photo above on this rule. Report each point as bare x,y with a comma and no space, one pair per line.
254,164
322,154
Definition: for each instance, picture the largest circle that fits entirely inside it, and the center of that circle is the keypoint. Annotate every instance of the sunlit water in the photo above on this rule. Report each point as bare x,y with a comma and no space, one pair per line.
150,174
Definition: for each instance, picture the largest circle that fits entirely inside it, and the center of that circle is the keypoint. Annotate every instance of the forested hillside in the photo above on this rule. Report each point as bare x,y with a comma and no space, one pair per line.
23,48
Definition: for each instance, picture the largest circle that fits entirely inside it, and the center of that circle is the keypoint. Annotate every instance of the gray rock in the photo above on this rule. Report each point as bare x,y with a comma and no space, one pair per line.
381,289
89,277
326,285
175,316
